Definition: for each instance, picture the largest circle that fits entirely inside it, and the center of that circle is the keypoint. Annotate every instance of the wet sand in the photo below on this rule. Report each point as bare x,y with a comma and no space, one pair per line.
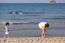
33,40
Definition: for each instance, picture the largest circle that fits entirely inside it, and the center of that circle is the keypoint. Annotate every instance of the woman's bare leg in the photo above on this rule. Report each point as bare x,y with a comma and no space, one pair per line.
42,35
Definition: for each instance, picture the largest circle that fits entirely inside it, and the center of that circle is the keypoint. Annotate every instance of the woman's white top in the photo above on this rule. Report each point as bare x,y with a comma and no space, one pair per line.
42,25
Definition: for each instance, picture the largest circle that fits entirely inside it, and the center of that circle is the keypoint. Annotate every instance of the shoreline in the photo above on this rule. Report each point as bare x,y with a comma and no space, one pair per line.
49,39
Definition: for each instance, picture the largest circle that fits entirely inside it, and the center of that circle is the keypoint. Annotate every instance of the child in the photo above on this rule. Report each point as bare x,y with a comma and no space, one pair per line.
6,30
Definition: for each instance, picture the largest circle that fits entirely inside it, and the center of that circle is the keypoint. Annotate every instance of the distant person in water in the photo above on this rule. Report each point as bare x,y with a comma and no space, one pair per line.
43,26
6,30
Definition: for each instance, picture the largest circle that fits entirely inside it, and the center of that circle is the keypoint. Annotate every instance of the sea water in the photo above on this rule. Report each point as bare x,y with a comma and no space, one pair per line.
26,16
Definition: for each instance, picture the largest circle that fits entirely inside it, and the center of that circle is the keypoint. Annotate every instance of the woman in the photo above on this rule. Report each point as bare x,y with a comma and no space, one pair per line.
43,26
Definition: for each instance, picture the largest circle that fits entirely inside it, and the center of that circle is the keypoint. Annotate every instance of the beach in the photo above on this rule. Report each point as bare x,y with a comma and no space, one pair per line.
33,40
24,22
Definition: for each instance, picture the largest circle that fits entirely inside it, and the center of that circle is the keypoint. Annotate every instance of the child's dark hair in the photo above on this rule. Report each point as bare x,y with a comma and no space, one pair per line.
7,24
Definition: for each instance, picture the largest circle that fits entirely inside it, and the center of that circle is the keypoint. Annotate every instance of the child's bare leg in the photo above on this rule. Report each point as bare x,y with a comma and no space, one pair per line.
6,36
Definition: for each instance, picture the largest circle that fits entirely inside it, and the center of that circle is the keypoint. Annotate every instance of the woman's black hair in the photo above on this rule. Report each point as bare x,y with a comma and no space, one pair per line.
7,24
46,25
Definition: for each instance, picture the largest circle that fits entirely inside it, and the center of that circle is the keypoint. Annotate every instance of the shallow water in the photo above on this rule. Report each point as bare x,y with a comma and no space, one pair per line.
29,15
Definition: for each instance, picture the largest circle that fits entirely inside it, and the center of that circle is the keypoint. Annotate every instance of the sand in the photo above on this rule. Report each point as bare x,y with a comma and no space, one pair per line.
33,40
